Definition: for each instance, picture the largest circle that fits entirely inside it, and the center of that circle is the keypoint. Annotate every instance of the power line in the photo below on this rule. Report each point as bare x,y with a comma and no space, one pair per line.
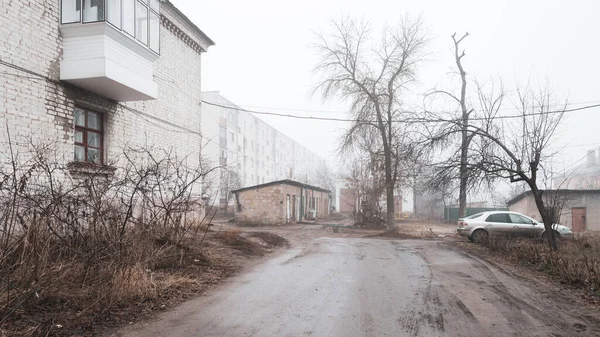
343,111
279,114
405,121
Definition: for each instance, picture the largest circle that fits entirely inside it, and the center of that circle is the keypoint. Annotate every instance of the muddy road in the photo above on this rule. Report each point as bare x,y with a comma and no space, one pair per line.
330,286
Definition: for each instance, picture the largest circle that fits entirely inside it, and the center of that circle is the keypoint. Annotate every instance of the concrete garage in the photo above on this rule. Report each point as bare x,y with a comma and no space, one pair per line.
580,210
281,202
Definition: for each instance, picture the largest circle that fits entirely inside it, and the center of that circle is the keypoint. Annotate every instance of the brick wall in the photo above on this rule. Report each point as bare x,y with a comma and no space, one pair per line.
347,201
41,109
268,205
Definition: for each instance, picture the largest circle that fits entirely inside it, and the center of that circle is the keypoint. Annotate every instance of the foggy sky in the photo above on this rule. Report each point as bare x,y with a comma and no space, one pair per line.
263,56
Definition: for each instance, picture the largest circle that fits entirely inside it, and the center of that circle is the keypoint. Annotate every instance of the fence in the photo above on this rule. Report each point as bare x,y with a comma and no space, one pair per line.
451,213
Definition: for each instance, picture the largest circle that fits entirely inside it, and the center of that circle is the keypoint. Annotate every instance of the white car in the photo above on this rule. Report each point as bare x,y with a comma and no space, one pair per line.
479,227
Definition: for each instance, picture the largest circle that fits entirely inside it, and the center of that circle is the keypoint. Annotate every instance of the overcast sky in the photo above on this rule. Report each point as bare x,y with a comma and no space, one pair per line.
263,57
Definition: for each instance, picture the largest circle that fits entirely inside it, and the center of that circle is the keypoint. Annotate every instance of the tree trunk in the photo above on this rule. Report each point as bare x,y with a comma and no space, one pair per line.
546,217
462,195
415,198
389,186
464,145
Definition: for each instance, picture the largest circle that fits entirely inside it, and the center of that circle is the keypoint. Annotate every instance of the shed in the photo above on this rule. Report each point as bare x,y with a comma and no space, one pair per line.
280,202
579,209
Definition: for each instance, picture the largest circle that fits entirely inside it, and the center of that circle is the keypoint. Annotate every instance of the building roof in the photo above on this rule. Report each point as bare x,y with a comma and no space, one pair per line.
566,191
193,25
283,182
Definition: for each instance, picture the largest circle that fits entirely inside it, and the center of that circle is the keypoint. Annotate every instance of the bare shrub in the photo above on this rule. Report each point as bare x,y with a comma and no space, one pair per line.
90,236
577,263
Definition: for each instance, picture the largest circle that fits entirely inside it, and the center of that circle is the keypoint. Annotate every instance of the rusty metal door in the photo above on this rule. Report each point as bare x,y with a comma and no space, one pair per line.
579,219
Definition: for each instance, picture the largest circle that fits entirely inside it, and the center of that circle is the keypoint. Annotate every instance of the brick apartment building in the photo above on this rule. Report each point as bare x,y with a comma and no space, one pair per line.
92,77
281,202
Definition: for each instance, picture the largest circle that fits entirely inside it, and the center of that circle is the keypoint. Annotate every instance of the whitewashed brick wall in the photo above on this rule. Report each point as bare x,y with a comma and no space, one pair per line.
41,110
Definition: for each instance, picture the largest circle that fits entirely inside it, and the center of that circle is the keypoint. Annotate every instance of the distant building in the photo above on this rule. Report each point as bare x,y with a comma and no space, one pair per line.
584,176
350,201
245,146
580,211
281,202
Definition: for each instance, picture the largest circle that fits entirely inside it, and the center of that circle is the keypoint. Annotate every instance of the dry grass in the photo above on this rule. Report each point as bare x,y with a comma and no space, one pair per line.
83,249
81,301
577,262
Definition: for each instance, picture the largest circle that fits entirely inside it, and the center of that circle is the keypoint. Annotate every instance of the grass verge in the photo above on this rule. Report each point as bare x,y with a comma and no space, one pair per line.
576,263
72,301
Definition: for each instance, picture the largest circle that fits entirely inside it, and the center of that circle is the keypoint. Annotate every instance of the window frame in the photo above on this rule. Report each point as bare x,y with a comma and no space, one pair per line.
145,3
60,19
85,129
104,14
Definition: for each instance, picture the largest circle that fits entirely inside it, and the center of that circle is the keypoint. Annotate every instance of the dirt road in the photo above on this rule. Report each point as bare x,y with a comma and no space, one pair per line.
330,286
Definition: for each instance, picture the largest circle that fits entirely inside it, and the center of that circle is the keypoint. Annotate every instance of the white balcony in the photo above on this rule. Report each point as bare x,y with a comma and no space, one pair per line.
109,52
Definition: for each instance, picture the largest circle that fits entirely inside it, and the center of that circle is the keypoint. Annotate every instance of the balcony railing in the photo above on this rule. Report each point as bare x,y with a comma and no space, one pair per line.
139,19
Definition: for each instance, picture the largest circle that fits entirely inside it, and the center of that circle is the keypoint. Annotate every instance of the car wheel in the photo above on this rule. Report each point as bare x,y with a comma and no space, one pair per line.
480,236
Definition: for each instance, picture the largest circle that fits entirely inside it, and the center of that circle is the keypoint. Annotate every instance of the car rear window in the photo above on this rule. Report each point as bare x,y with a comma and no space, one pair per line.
473,216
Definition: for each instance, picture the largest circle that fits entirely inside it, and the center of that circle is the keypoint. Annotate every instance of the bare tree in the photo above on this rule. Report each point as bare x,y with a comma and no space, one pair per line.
327,178
231,181
517,147
366,187
465,113
373,77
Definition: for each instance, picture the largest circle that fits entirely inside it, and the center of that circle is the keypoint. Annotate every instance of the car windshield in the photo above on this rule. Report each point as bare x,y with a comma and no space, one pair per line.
473,216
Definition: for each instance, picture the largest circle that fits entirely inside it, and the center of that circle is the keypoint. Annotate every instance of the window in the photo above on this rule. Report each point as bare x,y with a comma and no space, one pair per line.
231,135
155,5
474,216
114,12
89,144
141,22
138,18
499,217
129,17
70,11
516,218
154,32
93,10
